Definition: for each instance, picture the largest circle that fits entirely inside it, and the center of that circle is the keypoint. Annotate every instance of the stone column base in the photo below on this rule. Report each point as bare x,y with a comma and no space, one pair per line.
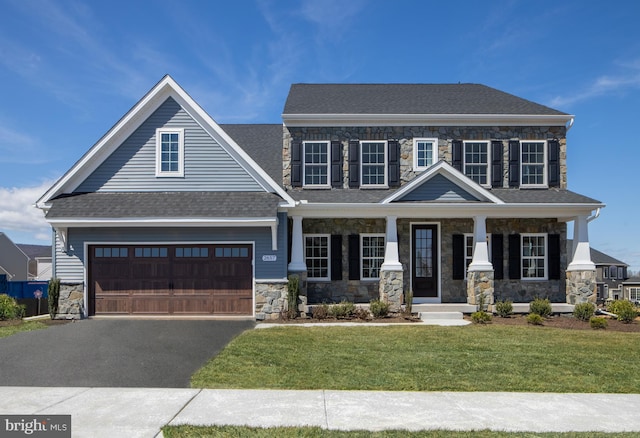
71,301
390,289
480,283
581,287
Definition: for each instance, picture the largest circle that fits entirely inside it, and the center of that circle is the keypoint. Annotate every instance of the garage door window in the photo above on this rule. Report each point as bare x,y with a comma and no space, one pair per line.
112,252
151,252
232,252
192,252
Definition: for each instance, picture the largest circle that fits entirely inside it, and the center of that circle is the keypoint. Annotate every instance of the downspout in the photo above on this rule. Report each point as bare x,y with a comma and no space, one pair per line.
595,216
568,127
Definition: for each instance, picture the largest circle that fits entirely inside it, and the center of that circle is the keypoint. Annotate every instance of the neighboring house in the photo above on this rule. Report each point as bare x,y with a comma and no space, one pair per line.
630,290
610,274
40,267
14,263
367,191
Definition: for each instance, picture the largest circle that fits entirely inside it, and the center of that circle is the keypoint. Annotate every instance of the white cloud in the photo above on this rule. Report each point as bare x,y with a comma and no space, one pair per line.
19,216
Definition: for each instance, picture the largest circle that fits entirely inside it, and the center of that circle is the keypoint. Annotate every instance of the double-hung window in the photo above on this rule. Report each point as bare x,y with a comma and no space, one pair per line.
317,256
476,161
533,160
170,152
372,247
374,163
316,163
534,256
425,151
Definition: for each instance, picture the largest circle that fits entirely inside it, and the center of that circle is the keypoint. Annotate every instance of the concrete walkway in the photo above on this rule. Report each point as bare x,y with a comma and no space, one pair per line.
141,412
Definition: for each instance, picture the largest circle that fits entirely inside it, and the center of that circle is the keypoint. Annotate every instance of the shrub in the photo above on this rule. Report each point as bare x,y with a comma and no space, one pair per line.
480,317
541,307
408,302
343,310
624,309
9,308
598,322
362,313
535,319
292,296
379,309
584,311
504,308
54,294
320,312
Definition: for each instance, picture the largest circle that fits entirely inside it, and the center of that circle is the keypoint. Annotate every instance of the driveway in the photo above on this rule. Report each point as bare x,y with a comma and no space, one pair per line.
114,353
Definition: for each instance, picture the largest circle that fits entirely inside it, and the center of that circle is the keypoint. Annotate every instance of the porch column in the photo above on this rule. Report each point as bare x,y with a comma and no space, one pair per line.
581,272
297,248
480,286
390,286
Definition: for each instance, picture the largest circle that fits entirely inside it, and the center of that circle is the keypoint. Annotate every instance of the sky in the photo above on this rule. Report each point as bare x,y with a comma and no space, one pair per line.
70,69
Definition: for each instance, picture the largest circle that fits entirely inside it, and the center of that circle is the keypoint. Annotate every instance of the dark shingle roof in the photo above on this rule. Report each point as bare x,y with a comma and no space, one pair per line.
543,196
598,257
407,99
33,251
165,205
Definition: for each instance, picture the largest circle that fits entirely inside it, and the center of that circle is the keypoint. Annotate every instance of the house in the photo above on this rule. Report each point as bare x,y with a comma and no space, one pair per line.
39,261
451,191
630,290
14,263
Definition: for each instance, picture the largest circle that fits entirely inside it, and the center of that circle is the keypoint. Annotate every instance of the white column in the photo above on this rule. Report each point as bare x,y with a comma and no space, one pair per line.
480,261
581,257
391,257
297,248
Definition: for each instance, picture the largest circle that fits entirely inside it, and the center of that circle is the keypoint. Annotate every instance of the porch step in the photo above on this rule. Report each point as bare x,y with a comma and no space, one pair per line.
429,316
447,307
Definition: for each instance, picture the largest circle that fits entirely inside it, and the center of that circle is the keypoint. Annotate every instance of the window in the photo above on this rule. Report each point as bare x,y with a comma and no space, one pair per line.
476,161
605,272
316,163
170,152
534,256
231,252
620,272
634,294
374,163
468,250
192,252
372,247
532,163
613,272
425,151
112,252
150,252
316,252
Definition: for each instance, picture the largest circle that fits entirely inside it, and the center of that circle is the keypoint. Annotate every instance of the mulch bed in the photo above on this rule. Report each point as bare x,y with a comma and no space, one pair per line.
568,322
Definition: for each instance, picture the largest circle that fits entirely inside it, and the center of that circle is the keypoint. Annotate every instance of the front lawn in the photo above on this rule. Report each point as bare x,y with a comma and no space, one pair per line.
8,328
428,358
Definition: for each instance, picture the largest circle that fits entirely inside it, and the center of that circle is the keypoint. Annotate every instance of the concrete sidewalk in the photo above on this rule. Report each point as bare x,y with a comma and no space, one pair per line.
141,412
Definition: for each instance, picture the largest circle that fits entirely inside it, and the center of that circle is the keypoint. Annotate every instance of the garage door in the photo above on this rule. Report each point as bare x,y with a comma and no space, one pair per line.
170,279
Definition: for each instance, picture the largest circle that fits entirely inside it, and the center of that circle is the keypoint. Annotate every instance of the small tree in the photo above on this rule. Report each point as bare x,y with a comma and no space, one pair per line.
54,295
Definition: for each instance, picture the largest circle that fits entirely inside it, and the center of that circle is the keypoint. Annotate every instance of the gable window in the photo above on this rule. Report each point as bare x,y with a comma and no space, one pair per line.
425,151
316,163
170,152
476,161
372,247
374,163
533,163
317,250
534,256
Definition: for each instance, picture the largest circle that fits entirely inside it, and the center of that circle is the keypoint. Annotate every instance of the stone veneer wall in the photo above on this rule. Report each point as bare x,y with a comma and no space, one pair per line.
271,299
71,301
581,287
406,134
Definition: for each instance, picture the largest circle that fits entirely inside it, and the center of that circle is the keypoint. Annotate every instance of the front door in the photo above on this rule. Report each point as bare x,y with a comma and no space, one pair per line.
424,261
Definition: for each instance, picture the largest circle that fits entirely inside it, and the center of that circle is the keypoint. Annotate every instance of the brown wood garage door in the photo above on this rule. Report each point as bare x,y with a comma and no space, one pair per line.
170,279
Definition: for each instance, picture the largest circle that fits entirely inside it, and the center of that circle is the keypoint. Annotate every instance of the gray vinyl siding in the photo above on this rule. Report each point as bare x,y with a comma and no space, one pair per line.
70,265
132,166
438,188
12,260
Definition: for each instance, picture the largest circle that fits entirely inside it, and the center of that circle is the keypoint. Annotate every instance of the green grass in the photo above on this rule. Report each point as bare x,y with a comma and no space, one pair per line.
316,432
471,358
24,326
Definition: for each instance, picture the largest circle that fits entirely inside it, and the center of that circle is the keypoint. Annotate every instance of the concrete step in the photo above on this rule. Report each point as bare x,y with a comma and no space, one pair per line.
446,307
430,316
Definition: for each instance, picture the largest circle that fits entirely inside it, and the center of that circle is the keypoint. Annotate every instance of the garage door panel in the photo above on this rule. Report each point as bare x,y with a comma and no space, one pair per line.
113,305
150,305
192,304
232,305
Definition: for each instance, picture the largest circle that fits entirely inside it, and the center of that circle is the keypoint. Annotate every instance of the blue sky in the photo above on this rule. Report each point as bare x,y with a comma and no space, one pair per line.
70,69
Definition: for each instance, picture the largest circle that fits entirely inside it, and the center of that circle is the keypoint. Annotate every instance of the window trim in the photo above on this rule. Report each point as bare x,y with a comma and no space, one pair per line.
362,258
544,164
545,259
487,164
434,152
635,290
304,164
466,257
180,172
385,166
328,237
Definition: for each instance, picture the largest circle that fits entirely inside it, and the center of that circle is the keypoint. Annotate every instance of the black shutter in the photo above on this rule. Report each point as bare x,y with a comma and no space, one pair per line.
496,164
514,257
354,257
514,164
497,256
456,154
553,241
296,164
336,164
354,164
336,257
554,163
394,164
458,257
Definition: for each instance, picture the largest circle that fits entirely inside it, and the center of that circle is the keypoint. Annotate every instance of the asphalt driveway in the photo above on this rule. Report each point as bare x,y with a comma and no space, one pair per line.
114,353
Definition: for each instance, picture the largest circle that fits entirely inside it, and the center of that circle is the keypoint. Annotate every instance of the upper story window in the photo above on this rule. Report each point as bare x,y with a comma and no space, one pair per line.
476,161
533,163
620,272
534,256
373,163
425,152
316,163
613,272
170,152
